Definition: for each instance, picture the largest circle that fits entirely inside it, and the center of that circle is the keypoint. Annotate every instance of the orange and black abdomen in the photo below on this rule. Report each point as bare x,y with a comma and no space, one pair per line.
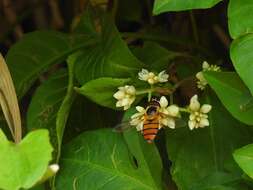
150,129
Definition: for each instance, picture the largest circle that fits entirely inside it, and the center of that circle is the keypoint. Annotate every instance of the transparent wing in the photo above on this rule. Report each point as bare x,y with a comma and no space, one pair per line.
122,127
180,123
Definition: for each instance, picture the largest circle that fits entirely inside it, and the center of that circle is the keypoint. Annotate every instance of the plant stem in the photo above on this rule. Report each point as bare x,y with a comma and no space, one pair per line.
184,110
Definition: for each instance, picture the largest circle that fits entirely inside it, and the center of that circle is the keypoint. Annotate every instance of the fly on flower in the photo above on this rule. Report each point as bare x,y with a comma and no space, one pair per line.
151,119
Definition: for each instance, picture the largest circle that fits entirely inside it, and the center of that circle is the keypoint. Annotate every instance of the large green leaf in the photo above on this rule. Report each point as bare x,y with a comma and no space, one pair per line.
155,56
144,151
110,58
46,102
199,153
23,164
101,90
244,157
242,57
161,6
36,51
101,160
239,20
233,94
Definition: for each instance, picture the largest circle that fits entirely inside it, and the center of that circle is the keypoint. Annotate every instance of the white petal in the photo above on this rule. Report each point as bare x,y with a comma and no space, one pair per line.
131,100
203,122
136,115
171,123
173,110
194,103
125,102
205,108
163,102
205,65
140,109
139,127
119,103
200,76
164,110
135,121
131,90
143,74
163,76
119,94
192,117
54,168
165,121
126,107
192,124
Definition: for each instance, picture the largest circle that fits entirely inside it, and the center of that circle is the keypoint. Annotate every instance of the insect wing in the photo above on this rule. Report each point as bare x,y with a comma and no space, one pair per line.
122,127
180,123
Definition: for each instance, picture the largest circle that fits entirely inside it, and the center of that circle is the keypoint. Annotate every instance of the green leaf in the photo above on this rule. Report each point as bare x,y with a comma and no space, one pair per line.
101,90
155,56
23,164
161,6
46,102
36,51
199,153
244,158
242,56
239,20
233,94
101,160
110,58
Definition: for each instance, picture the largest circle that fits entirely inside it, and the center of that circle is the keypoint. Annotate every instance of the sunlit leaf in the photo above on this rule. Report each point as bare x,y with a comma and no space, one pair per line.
23,164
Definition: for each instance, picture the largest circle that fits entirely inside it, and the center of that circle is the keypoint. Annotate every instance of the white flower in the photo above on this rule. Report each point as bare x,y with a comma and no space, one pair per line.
202,82
198,117
125,96
166,113
151,78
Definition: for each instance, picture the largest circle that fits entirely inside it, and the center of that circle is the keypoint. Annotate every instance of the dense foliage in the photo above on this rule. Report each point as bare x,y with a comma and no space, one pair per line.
71,81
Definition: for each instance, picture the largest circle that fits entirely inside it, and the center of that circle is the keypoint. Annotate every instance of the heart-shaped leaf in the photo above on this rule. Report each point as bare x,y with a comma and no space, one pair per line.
24,164
233,94
242,58
110,58
239,20
161,6
101,160
36,51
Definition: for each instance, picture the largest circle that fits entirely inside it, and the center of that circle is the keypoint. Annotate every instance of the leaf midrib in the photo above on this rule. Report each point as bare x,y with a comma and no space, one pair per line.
99,167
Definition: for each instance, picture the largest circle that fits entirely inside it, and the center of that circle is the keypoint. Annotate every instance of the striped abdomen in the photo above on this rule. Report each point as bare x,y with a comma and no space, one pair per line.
150,129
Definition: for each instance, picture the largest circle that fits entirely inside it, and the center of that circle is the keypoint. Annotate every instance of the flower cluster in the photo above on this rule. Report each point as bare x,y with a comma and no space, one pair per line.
151,78
198,114
125,96
202,82
167,115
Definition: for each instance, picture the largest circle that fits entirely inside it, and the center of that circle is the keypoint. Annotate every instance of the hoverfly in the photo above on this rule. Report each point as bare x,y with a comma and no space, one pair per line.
151,122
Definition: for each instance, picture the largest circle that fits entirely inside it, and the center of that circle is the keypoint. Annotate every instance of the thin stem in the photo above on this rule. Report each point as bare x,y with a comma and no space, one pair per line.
194,27
177,85
171,99
184,110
